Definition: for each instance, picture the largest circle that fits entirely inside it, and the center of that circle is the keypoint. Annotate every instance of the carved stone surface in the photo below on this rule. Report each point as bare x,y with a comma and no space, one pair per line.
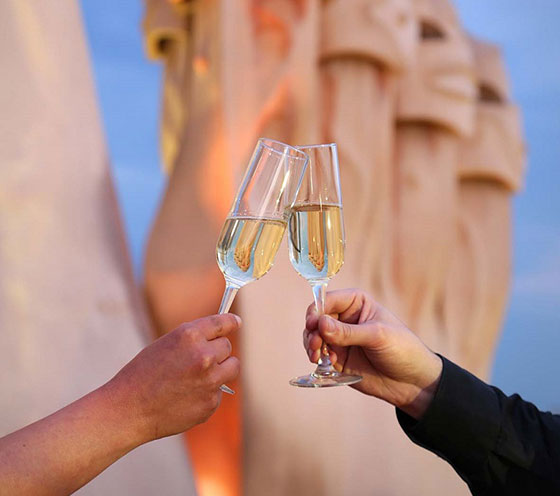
491,167
426,158
365,45
166,26
439,86
435,108
495,151
479,276
70,315
383,32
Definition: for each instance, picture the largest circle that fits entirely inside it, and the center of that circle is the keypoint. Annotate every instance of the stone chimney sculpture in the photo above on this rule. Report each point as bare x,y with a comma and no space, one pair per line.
491,166
70,311
435,112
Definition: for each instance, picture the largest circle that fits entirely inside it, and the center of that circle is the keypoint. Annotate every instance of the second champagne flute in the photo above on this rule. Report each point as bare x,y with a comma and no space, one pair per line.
316,244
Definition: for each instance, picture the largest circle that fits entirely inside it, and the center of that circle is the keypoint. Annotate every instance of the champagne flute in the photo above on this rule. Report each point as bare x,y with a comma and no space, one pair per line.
255,225
316,245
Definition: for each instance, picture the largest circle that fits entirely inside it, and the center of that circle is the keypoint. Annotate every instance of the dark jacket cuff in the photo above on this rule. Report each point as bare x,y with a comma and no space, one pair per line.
461,424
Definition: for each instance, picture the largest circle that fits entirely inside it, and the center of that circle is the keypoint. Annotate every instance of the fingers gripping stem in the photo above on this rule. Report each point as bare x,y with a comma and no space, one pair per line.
227,300
319,293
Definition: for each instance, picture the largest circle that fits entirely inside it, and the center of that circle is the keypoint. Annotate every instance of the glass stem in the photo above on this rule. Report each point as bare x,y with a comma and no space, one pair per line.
325,366
227,299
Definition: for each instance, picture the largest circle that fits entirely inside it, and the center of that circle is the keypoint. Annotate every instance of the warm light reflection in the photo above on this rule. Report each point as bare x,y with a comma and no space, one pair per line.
212,487
215,181
200,65
215,446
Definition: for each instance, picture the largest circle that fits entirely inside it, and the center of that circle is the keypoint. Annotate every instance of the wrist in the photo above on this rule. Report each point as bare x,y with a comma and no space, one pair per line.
425,387
125,416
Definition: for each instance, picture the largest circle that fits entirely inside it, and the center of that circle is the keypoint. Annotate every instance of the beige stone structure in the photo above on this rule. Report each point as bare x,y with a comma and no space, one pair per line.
244,75
249,75
70,316
435,111
365,46
491,165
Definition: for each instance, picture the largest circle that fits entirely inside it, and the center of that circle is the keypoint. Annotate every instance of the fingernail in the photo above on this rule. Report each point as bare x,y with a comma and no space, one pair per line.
238,319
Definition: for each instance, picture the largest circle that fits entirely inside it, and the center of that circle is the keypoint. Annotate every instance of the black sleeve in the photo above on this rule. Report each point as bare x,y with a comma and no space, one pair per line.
498,444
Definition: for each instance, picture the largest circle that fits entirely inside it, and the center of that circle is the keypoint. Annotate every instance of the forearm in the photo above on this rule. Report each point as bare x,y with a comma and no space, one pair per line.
64,451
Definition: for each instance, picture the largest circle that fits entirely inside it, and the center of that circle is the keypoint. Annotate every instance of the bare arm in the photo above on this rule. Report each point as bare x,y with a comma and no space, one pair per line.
167,388
65,450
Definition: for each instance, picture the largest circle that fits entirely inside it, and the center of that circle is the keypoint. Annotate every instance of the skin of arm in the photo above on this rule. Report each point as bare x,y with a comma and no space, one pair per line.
169,387
366,339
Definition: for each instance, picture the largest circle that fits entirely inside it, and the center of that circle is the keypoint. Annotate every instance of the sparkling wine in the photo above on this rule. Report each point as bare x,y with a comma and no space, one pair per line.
247,247
316,240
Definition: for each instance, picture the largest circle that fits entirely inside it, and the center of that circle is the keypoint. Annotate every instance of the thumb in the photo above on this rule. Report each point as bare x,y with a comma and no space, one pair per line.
343,334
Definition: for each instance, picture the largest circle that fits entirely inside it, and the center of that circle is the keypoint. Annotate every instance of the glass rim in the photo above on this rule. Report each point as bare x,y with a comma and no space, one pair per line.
299,154
319,145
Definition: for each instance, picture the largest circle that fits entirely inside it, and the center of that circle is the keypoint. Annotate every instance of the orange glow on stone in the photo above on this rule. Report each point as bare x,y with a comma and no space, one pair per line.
200,65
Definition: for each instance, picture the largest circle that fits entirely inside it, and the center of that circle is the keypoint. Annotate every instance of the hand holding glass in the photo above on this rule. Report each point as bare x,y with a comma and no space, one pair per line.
316,244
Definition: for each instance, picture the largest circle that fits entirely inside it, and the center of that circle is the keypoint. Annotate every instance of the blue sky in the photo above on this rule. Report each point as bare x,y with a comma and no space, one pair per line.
527,360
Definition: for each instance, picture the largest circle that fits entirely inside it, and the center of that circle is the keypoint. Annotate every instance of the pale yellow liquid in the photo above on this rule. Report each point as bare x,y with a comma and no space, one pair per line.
316,240
247,247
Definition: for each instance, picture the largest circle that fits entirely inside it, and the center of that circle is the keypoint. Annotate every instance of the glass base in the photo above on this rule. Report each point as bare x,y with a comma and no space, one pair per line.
328,379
